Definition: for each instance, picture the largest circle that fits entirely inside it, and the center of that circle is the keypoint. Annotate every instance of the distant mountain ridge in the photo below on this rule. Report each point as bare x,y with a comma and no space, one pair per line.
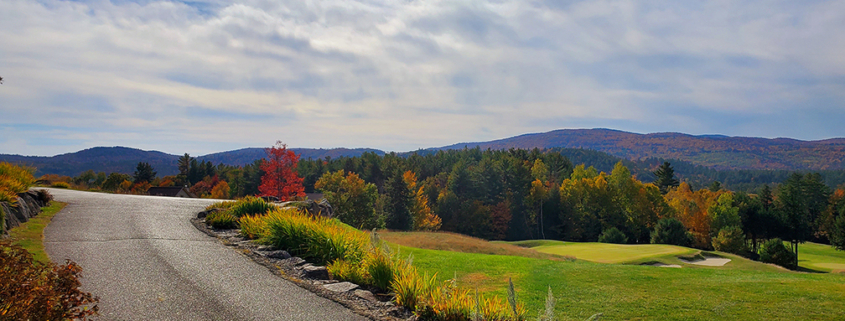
712,151
124,159
715,151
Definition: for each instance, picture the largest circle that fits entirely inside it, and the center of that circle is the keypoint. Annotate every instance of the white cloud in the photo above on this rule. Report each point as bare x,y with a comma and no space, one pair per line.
401,75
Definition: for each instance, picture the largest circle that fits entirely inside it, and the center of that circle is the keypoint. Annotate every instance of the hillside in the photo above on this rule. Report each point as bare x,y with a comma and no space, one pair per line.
124,159
714,151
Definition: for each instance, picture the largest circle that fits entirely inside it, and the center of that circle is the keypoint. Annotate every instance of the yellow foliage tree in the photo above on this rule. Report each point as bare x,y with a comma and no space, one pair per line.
424,218
220,191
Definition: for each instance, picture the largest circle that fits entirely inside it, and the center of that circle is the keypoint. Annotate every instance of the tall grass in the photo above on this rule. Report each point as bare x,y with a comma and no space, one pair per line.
353,255
13,181
250,206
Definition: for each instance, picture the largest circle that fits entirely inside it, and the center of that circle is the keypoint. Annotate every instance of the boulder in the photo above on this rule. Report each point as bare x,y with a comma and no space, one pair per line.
315,272
341,287
321,208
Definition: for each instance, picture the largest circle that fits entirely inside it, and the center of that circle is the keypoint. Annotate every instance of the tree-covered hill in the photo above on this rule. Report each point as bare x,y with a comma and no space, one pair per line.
715,151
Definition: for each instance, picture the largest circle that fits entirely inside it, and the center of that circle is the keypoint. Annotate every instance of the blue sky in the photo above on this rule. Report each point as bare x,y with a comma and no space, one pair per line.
210,75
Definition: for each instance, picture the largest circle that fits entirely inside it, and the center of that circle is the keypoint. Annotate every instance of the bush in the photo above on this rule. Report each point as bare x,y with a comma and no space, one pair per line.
13,181
32,290
731,240
671,231
221,219
60,185
773,251
221,205
613,235
251,206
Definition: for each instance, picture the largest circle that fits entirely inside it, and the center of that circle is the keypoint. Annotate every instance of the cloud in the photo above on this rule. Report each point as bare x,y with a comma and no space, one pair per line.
205,76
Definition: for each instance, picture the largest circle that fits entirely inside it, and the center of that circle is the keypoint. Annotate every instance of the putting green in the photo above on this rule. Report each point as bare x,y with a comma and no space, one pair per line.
611,253
820,257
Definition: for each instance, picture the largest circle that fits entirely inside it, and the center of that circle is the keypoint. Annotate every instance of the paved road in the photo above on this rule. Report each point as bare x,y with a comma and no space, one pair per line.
144,259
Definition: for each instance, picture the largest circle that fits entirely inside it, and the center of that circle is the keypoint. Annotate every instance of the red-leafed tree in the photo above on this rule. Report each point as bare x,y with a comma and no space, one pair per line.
280,178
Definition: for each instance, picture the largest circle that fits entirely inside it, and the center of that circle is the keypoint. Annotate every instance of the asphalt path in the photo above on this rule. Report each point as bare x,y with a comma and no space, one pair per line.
144,259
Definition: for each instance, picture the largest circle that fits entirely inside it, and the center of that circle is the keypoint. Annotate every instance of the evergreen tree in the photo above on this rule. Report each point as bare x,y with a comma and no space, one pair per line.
665,177
144,173
184,168
399,200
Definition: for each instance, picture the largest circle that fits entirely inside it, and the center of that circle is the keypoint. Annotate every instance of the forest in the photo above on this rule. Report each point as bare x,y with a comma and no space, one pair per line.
522,194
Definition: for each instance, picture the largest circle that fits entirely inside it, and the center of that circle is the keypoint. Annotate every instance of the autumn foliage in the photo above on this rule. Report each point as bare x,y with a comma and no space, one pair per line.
32,290
280,178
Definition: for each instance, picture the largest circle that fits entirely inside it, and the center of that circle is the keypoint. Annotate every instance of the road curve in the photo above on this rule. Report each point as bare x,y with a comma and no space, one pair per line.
144,259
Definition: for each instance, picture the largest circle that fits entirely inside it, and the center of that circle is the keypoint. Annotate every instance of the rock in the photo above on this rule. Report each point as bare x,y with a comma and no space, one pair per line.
341,287
294,261
205,213
322,208
278,254
366,295
315,272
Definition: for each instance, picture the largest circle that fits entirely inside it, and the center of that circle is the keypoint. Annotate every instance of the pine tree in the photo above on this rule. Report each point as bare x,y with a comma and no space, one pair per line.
665,177
144,173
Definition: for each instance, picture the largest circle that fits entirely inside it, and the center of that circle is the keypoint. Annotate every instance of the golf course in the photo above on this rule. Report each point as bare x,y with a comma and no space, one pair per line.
619,282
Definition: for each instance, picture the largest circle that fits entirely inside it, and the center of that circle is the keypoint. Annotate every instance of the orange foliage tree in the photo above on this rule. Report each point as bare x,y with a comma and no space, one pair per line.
220,191
424,218
280,179
691,208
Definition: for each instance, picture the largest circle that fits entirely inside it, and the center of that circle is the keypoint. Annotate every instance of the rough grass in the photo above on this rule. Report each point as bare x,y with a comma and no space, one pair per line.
743,291
447,241
30,235
611,253
821,257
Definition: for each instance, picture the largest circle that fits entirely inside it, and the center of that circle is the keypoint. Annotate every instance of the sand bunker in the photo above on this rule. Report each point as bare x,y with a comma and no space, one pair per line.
658,264
708,261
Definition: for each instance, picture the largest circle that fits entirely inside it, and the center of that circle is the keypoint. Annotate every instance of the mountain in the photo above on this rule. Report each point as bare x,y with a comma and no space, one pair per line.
245,156
714,151
125,160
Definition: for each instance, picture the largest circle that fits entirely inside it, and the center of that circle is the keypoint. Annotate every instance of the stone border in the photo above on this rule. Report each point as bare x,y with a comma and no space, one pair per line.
310,277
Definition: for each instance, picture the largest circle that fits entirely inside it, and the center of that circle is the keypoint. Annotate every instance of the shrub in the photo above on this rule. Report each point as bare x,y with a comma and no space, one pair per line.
773,251
731,240
31,290
613,235
251,206
670,231
252,227
221,219
13,181
60,185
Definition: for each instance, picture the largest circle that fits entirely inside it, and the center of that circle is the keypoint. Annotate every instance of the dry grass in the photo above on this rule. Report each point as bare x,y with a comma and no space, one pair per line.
447,241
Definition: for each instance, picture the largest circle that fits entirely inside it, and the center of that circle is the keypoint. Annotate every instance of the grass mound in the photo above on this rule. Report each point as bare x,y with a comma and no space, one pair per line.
447,241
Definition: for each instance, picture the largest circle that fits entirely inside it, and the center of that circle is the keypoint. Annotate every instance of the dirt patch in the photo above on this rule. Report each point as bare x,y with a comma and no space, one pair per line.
364,301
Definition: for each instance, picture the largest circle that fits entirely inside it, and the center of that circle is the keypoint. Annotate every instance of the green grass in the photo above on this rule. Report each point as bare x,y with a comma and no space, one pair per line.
610,253
743,291
30,235
821,257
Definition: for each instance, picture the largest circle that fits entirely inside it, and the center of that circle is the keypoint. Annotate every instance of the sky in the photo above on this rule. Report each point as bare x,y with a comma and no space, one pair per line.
207,76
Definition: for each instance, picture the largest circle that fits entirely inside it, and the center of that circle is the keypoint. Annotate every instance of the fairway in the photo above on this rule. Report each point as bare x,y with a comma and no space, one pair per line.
611,253
747,291
821,257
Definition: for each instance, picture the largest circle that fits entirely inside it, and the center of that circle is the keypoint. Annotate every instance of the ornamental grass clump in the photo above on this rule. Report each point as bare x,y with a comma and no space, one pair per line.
252,227
13,181
250,206
221,220
314,238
